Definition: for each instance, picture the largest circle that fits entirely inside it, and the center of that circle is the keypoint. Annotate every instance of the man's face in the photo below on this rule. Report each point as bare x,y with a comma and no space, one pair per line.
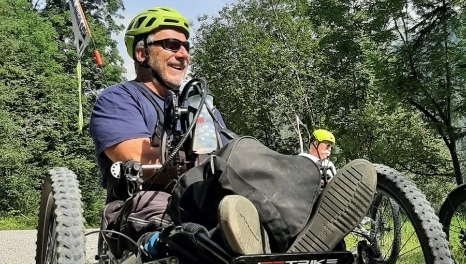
324,148
170,65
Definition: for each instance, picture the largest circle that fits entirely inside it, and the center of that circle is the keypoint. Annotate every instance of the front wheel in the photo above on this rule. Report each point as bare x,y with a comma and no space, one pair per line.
60,230
411,231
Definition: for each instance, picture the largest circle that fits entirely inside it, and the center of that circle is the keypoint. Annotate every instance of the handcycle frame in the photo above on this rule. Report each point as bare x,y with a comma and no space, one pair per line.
201,248
212,252
175,112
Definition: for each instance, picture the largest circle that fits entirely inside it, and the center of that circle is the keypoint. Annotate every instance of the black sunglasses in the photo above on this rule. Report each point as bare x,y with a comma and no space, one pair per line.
170,44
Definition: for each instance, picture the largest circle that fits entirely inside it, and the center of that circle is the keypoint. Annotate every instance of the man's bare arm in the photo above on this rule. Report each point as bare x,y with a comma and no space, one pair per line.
138,149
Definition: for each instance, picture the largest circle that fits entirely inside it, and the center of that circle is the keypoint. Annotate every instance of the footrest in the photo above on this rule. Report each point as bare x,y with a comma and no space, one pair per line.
339,257
192,244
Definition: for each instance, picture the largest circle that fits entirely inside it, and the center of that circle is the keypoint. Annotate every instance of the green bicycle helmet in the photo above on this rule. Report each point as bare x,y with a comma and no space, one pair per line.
151,19
323,135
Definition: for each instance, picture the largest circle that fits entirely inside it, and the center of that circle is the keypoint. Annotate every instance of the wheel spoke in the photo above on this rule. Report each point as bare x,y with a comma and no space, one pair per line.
50,246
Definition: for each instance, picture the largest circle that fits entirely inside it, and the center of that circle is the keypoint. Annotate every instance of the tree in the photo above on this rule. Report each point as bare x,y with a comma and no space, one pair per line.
39,100
75,150
101,17
265,58
30,96
252,54
423,42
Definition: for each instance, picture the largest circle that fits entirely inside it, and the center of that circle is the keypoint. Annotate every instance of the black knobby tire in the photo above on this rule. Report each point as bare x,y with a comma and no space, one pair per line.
413,202
60,229
452,216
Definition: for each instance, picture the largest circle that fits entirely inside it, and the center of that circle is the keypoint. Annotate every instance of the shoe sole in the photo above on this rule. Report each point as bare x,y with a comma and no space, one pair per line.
341,206
240,224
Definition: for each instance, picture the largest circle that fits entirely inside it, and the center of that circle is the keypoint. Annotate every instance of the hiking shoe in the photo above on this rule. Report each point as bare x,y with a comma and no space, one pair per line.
342,205
240,225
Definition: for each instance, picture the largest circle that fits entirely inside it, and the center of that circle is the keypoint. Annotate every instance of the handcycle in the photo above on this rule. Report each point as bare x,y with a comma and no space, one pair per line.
452,215
400,227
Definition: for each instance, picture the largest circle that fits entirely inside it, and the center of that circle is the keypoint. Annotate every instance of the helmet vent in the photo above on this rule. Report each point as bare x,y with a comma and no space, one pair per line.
170,20
151,21
130,26
139,22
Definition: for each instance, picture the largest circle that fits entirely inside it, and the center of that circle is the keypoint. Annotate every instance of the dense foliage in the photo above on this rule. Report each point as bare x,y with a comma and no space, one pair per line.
346,66
387,77
39,103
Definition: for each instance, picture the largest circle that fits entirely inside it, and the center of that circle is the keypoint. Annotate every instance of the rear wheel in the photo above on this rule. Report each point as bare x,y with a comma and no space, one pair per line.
60,230
402,226
386,227
377,238
452,215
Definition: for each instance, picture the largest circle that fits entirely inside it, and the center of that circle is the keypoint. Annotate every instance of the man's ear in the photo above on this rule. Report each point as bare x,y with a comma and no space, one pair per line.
139,54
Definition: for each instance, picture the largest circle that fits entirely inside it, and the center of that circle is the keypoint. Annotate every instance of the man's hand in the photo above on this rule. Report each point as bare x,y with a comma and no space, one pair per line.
138,149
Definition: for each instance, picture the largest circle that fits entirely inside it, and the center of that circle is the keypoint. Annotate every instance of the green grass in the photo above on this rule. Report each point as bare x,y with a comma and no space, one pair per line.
17,222
24,223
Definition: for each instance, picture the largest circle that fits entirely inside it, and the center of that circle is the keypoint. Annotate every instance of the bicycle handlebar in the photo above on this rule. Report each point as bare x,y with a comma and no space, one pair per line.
151,166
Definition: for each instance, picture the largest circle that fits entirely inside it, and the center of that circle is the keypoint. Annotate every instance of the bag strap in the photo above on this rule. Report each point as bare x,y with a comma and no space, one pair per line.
268,212
160,119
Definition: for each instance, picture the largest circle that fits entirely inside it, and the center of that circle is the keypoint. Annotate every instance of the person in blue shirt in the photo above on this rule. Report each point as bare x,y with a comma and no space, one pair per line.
123,122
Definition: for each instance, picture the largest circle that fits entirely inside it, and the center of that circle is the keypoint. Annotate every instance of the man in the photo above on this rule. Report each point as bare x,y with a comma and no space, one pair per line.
322,142
123,122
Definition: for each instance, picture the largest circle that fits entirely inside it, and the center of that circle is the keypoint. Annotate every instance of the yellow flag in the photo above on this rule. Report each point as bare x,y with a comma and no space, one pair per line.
82,37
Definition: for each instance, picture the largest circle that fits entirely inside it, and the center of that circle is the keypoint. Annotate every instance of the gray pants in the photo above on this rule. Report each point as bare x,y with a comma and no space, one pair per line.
143,213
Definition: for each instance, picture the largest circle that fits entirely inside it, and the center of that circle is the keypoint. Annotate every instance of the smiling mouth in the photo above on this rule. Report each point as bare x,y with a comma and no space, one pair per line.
176,67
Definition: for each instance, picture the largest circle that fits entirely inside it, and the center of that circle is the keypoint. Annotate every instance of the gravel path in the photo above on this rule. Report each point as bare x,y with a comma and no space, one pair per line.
19,246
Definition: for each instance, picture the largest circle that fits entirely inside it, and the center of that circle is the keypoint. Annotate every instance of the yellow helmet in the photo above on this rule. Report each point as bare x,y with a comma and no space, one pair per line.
323,135
151,19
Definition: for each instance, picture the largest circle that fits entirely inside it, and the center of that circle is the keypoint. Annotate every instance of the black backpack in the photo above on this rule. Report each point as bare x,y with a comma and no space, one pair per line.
282,187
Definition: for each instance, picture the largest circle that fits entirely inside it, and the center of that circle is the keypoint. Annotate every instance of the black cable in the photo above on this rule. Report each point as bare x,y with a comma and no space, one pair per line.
139,247
202,84
190,128
113,232
211,113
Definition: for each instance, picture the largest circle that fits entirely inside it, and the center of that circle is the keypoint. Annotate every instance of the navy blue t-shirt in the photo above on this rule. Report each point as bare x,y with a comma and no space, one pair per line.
121,112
